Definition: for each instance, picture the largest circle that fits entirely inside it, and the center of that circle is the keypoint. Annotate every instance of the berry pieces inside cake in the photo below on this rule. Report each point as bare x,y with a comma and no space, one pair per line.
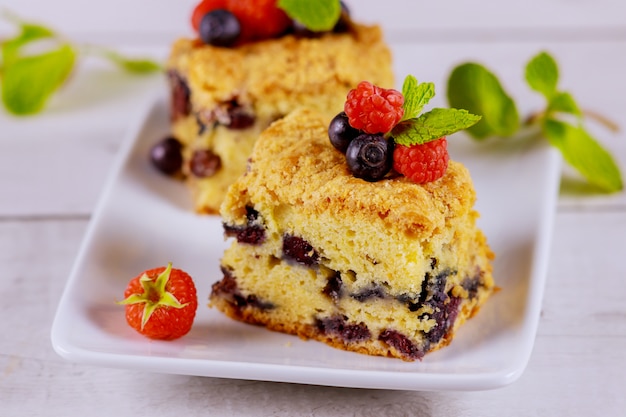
250,65
384,267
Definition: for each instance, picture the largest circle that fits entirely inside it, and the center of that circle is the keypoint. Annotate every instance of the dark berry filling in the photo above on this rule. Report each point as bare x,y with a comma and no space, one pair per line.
180,103
204,163
445,316
299,250
373,291
339,326
227,289
401,343
231,114
333,287
201,125
239,118
252,233
472,285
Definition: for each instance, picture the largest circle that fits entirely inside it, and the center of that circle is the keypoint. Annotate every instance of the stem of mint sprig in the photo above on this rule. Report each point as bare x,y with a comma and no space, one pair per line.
473,87
415,127
28,80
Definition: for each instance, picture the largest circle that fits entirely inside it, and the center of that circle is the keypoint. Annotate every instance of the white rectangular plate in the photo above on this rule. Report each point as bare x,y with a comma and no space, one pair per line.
144,220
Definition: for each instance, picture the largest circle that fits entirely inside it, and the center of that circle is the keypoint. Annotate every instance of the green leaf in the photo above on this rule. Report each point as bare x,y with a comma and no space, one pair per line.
416,96
29,33
316,15
136,66
542,74
474,88
585,154
563,103
432,125
29,81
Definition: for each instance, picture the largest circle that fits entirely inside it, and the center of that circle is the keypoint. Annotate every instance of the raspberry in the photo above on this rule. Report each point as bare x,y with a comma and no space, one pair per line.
260,19
203,8
422,163
373,109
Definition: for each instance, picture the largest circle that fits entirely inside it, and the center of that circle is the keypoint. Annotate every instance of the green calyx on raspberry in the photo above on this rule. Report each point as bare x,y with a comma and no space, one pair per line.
154,295
417,128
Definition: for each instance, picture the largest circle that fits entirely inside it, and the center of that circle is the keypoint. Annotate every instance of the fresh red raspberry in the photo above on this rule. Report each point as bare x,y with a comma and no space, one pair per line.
373,109
259,19
203,8
422,163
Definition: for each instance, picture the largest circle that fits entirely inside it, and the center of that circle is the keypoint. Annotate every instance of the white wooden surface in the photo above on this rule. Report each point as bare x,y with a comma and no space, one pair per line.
53,166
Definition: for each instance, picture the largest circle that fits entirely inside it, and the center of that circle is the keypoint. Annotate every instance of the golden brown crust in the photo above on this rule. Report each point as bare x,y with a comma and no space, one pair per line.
278,75
300,167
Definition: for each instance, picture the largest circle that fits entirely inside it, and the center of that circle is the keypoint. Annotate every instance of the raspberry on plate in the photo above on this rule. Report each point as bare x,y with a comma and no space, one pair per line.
161,303
374,109
422,163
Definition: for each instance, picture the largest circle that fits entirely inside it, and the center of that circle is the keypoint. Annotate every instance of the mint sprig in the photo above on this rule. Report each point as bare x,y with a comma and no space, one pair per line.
473,87
416,128
29,80
416,96
315,15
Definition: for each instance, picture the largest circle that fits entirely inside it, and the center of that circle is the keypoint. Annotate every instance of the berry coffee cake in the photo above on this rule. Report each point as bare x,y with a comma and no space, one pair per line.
250,65
383,266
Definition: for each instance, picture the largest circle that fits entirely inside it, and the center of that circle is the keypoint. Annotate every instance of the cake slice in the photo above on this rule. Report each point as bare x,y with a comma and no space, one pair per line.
223,97
388,268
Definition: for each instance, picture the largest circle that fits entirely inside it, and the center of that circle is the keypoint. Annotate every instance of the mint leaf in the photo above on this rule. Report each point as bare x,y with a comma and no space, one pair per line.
542,74
29,33
432,125
29,81
316,15
416,96
136,66
474,88
584,153
563,103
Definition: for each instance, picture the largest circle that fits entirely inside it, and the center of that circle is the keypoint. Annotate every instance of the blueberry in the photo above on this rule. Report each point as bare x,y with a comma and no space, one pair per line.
219,28
166,156
341,133
370,156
